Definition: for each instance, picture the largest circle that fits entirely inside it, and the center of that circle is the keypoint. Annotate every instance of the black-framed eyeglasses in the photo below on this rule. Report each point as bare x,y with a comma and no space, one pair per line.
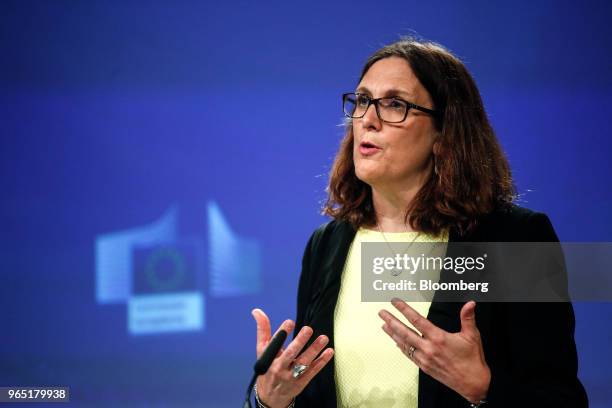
390,109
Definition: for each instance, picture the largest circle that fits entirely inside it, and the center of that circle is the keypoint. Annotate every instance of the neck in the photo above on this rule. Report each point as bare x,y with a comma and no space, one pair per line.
391,202
390,208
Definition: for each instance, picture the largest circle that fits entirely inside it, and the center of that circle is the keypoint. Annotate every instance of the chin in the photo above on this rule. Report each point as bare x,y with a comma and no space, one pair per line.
366,175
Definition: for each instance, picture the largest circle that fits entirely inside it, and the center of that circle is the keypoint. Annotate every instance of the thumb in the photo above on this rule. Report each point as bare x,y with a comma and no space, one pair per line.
263,329
468,318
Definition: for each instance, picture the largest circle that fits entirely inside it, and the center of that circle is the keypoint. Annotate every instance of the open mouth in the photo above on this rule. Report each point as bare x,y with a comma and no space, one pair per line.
369,145
368,148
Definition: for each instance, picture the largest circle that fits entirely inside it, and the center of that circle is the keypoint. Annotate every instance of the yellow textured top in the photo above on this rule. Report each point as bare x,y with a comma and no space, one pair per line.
371,371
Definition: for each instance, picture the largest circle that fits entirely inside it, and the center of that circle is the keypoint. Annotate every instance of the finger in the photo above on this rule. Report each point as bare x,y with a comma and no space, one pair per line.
468,318
419,322
416,356
403,345
399,342
263,329
399,331
288,326
316,366
313,351
298,343
419,358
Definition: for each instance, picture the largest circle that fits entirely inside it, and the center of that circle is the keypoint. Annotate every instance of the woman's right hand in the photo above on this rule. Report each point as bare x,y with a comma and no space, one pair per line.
277,388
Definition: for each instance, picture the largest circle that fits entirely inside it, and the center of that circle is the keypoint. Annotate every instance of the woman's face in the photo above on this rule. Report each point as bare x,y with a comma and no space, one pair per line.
393,155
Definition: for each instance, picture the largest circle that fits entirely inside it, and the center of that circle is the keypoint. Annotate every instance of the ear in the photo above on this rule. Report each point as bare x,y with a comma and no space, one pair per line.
436,146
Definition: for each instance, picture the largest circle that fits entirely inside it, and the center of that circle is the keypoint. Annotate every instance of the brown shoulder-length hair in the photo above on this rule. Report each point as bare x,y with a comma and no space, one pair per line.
470,177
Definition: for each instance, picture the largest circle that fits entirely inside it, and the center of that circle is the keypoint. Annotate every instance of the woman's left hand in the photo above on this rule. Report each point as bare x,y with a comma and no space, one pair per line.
455,359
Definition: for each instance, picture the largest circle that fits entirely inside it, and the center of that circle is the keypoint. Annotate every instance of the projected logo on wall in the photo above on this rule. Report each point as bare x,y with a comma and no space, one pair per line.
159,274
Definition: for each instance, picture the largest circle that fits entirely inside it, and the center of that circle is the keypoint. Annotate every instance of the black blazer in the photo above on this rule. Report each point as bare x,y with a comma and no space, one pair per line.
529,347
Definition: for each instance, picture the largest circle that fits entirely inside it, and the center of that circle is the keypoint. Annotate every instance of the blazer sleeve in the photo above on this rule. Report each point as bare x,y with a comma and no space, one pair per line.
304,286
309,274
542,365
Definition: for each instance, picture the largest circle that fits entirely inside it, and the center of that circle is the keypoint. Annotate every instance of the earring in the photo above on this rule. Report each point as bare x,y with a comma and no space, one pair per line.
436,166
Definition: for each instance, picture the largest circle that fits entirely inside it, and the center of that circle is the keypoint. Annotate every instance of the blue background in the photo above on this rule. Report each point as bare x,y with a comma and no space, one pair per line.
111,112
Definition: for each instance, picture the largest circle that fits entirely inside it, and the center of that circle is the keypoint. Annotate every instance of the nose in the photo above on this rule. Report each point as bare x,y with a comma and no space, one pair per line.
371,121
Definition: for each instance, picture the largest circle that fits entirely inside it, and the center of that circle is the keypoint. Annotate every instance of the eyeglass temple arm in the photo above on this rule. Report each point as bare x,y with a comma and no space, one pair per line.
422,109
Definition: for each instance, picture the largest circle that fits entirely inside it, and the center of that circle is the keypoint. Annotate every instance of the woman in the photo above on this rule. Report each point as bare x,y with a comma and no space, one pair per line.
422,164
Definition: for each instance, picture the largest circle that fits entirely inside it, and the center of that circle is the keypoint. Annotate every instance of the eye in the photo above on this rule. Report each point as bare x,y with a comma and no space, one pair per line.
362,100
394,104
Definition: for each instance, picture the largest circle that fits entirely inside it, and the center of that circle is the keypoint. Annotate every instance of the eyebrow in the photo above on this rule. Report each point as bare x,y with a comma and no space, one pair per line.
388,92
